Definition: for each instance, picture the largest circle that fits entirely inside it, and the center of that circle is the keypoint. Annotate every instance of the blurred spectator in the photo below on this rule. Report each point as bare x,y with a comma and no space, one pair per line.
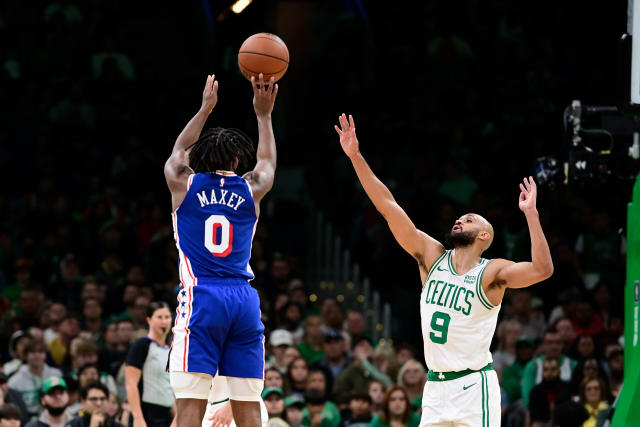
297,375
92,316
59,348
376,392
293,410
508,332
412,377
615,365
139,313
54,400
273,400
568,336
319,412
336,358
94,405
359,410
584,348
55,313
521,312
14,397
84,353
585,321
279,341
116,410
9,415
317,380
273,378
17,344
569,414
358,374
512,382
593,395
332,315
110,356
396,410
29,378
312,342
533,371
356,326
125,334
548,393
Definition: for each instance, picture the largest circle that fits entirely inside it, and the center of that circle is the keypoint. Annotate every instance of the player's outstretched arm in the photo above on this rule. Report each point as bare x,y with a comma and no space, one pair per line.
261,177
523,274
418,244
176,169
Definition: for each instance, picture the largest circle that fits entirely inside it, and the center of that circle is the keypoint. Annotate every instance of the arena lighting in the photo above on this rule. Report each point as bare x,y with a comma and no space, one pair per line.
240,5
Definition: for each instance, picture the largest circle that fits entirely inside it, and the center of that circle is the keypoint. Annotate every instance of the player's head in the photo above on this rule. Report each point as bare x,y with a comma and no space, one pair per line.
220,149
471,229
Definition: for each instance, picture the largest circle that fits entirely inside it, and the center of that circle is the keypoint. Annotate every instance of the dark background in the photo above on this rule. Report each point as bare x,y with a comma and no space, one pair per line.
439,90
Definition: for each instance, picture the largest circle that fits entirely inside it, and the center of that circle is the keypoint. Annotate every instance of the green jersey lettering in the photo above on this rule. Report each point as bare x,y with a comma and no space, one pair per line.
467,309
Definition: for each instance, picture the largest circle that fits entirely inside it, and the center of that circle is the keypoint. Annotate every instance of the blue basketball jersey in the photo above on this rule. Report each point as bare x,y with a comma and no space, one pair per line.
214,228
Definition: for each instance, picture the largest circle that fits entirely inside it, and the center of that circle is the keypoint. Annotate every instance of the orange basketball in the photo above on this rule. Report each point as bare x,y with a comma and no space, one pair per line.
263,53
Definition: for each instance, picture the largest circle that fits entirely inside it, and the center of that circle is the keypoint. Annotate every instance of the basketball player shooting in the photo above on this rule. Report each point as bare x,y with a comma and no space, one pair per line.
218,327
461,296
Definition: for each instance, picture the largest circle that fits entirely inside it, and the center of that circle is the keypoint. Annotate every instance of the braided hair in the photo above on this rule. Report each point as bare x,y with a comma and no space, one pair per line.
218,148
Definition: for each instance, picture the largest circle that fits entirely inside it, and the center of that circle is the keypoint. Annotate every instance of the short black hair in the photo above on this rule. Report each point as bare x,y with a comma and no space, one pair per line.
218,148
95,384
9,411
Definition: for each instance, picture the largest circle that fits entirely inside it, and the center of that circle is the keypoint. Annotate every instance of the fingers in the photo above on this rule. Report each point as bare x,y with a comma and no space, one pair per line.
343,123
523,196
524,190
272,85
253,84
351,122
337,129
261,82
532,183
215,87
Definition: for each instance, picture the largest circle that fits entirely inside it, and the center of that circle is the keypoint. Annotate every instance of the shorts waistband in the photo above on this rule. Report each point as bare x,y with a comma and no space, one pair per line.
448,376
219,281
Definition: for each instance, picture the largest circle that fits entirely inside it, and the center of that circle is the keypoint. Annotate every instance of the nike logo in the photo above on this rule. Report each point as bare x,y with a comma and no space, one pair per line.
441,269
468,386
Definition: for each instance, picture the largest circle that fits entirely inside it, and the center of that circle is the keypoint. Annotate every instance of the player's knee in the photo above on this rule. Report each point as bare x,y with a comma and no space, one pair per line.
245,389
190,385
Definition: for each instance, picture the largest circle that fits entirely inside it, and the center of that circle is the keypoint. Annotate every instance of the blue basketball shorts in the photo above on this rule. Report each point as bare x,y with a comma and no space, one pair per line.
218,329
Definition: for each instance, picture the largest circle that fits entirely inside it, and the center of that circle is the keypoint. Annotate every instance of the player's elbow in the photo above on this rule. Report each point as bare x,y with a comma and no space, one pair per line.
545,271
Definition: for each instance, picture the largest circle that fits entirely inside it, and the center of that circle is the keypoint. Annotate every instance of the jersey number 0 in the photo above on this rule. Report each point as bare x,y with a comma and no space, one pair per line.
218,225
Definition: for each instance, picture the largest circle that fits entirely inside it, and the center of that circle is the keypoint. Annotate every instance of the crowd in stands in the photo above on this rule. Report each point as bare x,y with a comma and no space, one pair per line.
92,95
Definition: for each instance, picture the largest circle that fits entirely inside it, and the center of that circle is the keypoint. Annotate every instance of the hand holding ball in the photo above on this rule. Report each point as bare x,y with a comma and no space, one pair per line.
263,53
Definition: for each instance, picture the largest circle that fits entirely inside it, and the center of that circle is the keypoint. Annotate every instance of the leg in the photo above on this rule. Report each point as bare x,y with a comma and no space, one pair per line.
191,390
246,414
190,412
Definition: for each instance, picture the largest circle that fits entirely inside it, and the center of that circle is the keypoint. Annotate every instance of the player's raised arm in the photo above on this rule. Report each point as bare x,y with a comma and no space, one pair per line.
523,274
418,244
261,177
176,169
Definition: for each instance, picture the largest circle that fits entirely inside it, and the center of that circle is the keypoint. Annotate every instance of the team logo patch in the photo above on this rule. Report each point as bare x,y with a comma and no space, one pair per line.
221,182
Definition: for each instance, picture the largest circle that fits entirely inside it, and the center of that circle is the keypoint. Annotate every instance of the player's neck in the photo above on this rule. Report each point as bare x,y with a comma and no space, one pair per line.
465,258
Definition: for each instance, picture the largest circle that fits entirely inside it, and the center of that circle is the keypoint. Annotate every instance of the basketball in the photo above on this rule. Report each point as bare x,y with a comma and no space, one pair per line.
263,53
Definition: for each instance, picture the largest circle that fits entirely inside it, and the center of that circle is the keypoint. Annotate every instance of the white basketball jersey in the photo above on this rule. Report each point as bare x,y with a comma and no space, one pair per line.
458,320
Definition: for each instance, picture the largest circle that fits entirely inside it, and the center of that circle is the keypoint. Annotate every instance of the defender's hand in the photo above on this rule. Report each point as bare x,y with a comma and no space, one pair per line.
347,132
209,94
528,193
263,97
222,417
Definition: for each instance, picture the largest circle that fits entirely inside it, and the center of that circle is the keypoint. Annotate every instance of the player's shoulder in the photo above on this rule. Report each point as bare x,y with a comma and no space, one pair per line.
493,267
432,252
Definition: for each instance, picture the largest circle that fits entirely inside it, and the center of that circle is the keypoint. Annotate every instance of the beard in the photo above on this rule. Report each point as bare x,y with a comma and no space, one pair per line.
55,411
460,239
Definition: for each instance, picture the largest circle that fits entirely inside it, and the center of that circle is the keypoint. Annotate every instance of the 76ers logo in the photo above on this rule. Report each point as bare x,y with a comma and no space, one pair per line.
221,182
